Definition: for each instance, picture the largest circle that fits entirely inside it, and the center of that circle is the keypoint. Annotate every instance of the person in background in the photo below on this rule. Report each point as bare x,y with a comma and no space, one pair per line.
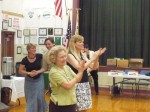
31,67
75,55
49,43
93,72
62,81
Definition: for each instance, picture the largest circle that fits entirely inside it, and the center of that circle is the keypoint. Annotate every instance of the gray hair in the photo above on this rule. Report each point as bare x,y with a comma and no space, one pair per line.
52,54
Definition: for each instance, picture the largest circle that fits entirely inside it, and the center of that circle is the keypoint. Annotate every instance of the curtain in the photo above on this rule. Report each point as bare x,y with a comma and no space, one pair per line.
123,26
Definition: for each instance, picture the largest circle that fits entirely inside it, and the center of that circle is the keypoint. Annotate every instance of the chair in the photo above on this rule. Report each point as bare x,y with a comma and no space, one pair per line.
128,81
17,70
143,82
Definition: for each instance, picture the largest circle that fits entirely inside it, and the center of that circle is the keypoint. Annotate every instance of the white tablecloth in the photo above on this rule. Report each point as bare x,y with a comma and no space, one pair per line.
17,86
139,76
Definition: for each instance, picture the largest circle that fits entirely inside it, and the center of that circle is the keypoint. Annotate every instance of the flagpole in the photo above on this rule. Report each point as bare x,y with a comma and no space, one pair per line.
66,7
69,10
77,22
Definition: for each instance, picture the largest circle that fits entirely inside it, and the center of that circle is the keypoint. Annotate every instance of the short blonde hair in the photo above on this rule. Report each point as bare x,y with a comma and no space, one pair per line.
29,45
52,54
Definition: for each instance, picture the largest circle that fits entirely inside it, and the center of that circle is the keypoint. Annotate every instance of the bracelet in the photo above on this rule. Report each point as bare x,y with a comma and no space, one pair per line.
28,73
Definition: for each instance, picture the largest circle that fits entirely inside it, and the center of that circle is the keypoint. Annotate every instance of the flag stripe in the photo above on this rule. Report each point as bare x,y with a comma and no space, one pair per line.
58,8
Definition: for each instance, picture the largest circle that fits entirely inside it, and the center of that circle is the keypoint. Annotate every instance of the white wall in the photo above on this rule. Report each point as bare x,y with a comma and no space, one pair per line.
38,18
13,5
39,8
42,7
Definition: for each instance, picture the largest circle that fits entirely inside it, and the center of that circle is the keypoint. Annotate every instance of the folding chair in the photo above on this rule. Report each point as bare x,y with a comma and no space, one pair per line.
128,81
143,82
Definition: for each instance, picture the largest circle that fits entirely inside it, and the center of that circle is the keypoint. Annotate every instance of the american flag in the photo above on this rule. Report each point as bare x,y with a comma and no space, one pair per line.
58,8
68,35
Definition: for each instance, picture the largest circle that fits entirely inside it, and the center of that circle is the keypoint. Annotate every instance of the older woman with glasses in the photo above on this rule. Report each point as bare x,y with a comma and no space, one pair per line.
62,81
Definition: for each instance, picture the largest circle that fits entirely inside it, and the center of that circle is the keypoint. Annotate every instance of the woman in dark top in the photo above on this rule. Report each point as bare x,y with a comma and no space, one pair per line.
75,55
31,67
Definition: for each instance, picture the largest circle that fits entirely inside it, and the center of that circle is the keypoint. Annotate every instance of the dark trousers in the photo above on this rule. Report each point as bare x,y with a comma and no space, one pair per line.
94,75
56,108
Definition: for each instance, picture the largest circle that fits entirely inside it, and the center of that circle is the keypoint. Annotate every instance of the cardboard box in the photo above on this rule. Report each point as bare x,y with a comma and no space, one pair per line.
135,62
122,63
111,62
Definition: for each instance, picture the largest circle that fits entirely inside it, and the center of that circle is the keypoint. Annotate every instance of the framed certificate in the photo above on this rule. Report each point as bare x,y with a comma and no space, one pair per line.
50,31
41,40
10,22
58,31
42,31
26,40
34,40
58,40
19,49
19,33
33,32
5,25
26,32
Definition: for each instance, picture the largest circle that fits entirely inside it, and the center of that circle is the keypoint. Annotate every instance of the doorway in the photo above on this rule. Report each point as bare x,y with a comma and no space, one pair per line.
7,41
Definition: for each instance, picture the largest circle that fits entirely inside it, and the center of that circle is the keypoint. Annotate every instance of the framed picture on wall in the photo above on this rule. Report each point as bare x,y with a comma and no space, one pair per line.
19,49
26,40
50,31
34,40
33,32
58,31
10,22
5,25
42,31
26,32
64,41
41,40
19,33
58,40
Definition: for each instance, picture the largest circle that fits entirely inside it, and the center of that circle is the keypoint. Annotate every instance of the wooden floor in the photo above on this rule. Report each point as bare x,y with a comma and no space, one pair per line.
104,102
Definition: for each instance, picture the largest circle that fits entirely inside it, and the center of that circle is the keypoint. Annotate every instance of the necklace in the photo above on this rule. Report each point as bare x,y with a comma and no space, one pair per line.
67,77
31,59
65,73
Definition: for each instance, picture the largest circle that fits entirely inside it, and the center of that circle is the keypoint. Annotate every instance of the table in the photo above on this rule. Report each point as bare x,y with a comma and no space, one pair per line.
17,86
117,75
139,76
